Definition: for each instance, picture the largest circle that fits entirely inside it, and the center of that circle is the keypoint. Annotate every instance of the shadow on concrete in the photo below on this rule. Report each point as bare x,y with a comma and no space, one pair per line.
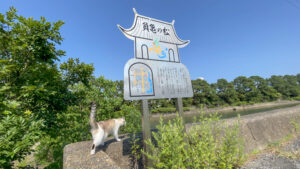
106,144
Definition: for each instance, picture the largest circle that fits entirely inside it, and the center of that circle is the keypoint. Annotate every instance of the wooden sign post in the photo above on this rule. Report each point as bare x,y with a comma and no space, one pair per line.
146,130
155,72
179,109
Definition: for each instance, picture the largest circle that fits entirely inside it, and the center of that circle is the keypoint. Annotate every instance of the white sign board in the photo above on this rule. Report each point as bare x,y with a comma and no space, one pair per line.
148,79
156,71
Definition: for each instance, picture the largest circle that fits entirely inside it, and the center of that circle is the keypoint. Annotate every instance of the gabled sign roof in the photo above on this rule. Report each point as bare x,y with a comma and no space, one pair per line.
153,29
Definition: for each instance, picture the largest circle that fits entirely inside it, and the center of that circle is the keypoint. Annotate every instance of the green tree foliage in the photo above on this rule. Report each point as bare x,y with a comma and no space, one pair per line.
226,92
17,135
74,72
30,82
246,89
58,98
280,85
292,85
204,94
267,93
288,86
73,124
298,79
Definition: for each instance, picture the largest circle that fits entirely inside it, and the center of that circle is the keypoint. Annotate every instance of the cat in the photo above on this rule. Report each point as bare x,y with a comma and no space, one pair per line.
100,130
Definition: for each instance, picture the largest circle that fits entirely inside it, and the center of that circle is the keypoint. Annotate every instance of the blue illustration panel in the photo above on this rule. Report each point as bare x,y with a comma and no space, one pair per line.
141,80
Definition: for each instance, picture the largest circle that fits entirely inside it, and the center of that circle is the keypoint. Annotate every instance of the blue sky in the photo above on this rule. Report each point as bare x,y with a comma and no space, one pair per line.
229,38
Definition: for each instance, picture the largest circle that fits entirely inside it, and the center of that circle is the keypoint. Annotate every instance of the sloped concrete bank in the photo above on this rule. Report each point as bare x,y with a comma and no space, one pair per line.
257,129
231,108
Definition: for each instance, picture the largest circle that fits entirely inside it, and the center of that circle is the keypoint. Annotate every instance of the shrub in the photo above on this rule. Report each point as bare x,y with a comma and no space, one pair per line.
296,98
164,110
169,148
210,144
17,136
186,109
239,103
167,109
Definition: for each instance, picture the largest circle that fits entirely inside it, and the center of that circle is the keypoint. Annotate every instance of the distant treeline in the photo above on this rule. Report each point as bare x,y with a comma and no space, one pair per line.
243,90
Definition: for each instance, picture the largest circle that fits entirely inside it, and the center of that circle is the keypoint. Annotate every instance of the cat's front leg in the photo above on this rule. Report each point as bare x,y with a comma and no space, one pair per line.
116,135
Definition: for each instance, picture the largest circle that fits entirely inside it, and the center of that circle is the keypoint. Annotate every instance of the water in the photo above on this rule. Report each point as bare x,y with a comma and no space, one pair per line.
189,118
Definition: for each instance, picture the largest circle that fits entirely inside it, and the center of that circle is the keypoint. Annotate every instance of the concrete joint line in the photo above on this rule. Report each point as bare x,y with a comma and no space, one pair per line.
251,131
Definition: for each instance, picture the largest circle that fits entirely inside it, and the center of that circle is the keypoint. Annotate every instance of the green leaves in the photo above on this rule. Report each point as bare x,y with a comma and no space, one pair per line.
17,136
74,72
207,145
32,91
244,90
168,150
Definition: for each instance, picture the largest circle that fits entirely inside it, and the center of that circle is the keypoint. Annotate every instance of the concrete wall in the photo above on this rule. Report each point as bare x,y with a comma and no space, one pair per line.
258,131
261,129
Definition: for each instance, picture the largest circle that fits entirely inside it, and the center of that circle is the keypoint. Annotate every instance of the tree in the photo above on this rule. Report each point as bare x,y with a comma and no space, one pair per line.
267,93
226,92
74,72
203,93
298,79
246,89
280,85
31,92
34,92
292,85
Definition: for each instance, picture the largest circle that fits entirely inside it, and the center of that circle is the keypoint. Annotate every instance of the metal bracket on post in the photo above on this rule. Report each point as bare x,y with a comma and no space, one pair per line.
146,130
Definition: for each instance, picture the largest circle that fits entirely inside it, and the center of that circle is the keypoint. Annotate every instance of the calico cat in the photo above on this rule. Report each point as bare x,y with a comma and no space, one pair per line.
100,130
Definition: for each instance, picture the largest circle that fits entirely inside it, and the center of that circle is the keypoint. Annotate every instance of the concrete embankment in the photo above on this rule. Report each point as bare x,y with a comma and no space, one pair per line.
195,110
258,130
261,129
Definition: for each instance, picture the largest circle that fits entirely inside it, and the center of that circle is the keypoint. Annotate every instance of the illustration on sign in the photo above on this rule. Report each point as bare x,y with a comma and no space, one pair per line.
141,80
155,71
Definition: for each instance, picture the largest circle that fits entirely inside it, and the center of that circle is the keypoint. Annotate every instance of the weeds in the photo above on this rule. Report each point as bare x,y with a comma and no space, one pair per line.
209,144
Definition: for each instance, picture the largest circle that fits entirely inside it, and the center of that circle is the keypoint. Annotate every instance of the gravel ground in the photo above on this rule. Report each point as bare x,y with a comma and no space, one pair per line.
273,161
293,147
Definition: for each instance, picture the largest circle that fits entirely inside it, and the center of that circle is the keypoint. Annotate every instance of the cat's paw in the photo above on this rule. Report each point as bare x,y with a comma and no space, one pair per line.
93,152
118,139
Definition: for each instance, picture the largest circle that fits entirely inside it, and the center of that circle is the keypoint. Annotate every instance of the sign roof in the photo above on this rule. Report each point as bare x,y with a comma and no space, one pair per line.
153,29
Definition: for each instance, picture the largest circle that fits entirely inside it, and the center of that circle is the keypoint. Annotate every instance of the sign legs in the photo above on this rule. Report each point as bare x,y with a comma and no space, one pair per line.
146,130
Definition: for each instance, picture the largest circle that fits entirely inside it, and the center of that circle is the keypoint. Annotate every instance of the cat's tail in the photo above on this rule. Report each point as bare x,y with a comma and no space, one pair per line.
93,122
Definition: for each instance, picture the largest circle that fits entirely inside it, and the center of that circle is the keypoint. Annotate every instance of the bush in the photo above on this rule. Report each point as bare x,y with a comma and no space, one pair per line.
167,110
239,103
186,109
296,98
133,119
164,110
17,136
169,148
207,145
